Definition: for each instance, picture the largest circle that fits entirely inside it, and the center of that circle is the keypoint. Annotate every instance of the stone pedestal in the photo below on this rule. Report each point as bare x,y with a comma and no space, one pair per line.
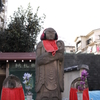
29,97
80,95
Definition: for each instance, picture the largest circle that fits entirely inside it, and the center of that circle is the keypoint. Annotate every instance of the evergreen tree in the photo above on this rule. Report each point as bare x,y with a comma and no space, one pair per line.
22,31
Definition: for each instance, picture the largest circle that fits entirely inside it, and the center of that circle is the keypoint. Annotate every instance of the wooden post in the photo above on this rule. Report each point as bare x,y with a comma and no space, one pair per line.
7,70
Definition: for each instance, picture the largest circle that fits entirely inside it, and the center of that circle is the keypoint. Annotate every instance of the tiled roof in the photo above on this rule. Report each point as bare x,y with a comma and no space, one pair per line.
18,56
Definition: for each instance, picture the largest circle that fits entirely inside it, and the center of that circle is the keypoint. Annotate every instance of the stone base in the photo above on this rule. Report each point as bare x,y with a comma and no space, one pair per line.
29,97
80,95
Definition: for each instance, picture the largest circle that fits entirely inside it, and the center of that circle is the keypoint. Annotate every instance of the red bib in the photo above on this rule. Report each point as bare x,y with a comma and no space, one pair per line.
50,46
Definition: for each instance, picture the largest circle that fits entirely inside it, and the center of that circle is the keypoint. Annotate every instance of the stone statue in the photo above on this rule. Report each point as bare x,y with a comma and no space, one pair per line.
49,66
12,89
12,81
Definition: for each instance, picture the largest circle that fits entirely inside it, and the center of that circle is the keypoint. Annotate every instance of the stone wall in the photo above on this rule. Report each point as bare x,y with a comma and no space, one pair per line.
93,61
68,78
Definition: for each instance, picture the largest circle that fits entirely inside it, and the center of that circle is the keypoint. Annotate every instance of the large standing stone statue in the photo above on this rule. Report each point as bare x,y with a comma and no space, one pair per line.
49,66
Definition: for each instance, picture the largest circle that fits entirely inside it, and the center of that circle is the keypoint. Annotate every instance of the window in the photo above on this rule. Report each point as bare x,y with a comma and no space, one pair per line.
88,41
99,37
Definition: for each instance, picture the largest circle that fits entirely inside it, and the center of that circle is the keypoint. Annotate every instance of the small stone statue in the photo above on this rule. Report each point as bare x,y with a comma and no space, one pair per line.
49,66
12,89
12,81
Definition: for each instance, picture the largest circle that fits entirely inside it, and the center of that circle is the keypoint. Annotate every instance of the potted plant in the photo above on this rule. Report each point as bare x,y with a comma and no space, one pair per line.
82,85
27,81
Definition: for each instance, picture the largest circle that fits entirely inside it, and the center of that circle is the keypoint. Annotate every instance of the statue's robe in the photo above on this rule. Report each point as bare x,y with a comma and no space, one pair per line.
49,72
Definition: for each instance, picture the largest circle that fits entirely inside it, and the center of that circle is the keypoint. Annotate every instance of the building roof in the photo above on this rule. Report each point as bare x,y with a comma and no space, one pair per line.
78,37
90,33
18,56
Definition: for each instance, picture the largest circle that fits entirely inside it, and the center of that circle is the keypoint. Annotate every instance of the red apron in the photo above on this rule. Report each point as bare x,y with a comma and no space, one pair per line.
12,94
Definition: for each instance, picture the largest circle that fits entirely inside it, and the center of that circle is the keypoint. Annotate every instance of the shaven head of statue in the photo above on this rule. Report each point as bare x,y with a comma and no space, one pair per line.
49,34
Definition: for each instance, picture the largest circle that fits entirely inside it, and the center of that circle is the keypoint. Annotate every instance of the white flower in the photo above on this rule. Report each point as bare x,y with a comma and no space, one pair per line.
29,75
25,82
26,78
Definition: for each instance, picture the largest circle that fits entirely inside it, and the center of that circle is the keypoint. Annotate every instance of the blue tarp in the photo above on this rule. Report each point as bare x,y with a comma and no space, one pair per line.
94,95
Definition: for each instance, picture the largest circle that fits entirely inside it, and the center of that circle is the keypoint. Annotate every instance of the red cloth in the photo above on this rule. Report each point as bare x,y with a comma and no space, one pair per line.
12,94
97,48
73,94
50,46
86,94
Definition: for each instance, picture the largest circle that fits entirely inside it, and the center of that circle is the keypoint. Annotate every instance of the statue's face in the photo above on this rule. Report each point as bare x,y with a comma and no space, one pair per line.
50,34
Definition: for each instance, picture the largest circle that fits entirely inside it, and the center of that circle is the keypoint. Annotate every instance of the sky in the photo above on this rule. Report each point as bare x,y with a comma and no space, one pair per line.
70,18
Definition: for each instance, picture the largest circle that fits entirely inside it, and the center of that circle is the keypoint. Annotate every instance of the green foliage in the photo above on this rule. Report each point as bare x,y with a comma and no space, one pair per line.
22,31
